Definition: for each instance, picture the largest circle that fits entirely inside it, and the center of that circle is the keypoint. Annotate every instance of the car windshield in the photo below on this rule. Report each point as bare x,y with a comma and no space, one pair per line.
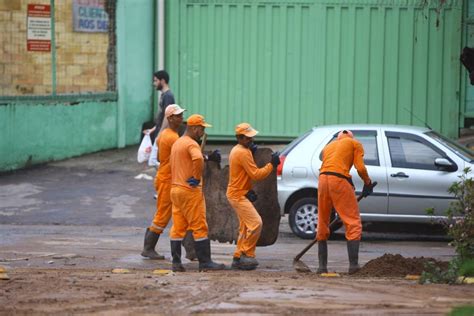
295,142
459,149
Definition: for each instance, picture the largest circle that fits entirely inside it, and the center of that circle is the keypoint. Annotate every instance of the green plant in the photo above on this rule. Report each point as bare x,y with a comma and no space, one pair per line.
460,227
434,274
461,216
467,310
467,268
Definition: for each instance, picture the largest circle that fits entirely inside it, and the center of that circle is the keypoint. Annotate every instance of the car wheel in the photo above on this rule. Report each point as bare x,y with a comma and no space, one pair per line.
303,218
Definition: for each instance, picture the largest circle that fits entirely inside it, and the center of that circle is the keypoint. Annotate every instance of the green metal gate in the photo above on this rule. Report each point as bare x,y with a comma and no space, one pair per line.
469,41
285,66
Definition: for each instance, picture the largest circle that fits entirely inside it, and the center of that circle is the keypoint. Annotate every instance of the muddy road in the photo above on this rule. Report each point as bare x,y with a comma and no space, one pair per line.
65,226
84,291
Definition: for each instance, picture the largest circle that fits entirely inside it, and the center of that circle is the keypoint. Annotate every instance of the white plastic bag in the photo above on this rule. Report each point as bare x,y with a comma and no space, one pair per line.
145,149
153,161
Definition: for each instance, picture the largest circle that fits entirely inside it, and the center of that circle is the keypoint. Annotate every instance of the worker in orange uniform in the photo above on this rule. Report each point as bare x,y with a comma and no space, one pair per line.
189,206
165,140
336,190
242,169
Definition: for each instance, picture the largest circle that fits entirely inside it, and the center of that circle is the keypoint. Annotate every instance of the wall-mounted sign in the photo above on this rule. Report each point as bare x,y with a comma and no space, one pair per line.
90,16
38,37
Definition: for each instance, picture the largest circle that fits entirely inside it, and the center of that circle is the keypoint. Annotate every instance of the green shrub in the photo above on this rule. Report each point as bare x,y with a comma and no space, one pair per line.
467,310
461,217
460,227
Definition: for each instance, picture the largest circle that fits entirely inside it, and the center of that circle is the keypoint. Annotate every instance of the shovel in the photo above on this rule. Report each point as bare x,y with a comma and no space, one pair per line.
300,266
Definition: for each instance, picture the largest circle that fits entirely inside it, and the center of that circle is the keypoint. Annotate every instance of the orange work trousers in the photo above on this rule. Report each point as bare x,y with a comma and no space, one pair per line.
189,213
163,207
250,226
338,193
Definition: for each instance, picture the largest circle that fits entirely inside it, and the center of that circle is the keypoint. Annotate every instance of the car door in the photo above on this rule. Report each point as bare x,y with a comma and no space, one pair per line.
415,183
377,202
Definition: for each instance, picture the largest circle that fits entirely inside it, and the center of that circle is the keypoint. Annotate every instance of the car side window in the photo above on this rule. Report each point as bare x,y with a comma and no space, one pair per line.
410,151
368,139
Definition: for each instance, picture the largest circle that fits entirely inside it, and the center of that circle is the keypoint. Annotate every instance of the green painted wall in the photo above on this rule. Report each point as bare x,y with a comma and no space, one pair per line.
286,66
41,131
135,53
52,128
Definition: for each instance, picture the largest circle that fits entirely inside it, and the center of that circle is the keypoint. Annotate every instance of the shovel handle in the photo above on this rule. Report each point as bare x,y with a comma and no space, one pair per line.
203,142
332,224
298,256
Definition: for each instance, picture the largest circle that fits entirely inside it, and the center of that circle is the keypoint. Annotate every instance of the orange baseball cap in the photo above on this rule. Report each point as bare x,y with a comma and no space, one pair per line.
173,109
345,132
245,129
197,120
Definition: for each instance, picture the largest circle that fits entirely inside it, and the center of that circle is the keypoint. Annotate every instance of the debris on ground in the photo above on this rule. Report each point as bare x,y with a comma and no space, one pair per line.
330,275
4,276
120,271
165,272
390,265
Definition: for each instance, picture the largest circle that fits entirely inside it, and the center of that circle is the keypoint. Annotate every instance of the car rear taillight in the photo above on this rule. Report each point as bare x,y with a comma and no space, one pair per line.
280,166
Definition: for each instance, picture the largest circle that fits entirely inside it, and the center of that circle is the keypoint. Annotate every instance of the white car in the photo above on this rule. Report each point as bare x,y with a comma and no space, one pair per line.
414,167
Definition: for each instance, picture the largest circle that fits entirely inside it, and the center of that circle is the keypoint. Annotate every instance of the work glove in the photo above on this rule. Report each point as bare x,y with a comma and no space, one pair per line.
215,156
193,182
253,148
251,196
367,189
275,159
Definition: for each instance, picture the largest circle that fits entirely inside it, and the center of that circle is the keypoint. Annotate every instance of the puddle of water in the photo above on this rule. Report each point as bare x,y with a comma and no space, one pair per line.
122,206
283,294
16,197
137,259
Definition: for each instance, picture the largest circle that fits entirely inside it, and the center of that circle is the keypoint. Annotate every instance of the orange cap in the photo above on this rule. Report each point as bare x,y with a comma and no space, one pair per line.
173,109
197,120
245,129
345,133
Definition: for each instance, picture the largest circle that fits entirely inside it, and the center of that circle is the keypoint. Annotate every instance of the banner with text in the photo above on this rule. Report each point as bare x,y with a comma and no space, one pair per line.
90,16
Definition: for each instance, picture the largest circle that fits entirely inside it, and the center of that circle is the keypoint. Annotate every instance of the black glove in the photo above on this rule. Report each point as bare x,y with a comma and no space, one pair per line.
253,148
215,156
368,189
275,159
193,182
251,196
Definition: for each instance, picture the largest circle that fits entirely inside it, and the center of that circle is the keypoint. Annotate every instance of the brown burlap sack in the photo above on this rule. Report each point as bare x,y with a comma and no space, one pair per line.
221,218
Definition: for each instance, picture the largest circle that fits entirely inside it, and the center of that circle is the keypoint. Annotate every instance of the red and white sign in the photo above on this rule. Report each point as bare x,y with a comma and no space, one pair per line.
39,28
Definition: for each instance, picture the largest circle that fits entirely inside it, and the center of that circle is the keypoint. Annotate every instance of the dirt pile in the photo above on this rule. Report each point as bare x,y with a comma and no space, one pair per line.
390,265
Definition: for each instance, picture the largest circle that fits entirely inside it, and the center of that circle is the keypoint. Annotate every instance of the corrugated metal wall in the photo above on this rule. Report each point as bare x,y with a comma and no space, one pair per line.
285,66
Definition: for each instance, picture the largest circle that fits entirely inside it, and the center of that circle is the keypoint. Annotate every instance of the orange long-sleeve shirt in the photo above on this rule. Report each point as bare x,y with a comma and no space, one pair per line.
340,155
186,161
242,169
165,141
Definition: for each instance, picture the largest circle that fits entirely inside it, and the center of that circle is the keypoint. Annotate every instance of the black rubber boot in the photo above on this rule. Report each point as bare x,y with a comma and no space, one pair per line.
322,256
244,263
353,252
235,263
248,263
203,252
176,256
188,244
149,244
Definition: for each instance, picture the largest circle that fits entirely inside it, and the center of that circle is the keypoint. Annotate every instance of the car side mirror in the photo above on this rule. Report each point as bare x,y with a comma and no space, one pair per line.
444,164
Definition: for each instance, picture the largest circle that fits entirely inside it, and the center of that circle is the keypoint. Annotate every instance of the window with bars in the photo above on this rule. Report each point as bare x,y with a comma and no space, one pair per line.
80,61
